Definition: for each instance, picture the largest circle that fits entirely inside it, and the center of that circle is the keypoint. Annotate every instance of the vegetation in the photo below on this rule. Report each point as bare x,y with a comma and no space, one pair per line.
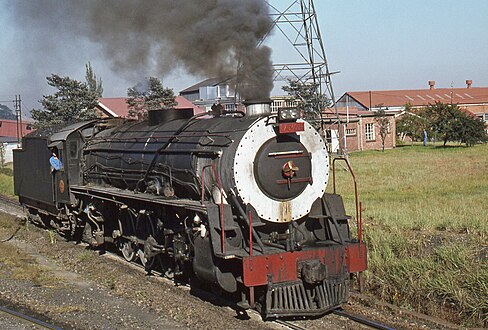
94,85
147,96
383,124
424,210
72,102
6,113
446,121
412,124
7,181
2,156
309,101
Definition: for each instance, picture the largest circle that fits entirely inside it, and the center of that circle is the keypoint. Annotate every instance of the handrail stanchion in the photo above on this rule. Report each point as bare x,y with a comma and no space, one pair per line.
356,195
219,183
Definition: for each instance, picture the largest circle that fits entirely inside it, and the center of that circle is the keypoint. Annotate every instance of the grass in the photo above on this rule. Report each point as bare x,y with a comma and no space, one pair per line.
425,211
6,185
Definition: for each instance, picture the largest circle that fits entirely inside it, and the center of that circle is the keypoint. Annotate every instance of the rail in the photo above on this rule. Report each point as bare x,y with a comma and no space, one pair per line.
362,320
29,319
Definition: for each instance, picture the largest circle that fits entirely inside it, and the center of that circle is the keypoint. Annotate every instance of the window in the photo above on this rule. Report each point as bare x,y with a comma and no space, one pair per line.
275,105
350,132
229,107
370,132
28,127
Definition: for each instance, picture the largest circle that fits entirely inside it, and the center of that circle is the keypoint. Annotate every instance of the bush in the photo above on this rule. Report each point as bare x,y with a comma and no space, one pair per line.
7,171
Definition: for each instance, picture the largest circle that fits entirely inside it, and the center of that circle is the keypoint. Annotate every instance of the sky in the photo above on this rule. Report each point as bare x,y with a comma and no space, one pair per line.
374,45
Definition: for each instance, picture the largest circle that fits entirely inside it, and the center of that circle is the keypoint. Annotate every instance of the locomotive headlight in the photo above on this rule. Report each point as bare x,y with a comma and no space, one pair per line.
288,114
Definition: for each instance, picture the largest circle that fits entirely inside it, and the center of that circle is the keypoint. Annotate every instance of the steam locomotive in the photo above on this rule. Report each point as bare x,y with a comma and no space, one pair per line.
235,201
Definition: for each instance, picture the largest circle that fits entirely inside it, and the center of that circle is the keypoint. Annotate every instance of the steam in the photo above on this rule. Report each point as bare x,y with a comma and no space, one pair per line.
209,38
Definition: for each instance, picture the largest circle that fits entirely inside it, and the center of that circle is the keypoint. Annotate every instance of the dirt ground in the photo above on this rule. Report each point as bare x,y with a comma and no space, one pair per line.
74,287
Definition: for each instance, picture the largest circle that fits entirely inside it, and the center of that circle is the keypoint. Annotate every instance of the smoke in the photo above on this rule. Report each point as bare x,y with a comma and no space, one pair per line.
209,38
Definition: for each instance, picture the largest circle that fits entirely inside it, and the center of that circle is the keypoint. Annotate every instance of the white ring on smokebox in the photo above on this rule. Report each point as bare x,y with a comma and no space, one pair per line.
245,181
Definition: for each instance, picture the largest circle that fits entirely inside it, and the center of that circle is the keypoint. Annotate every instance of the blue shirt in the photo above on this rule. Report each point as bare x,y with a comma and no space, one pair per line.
55,163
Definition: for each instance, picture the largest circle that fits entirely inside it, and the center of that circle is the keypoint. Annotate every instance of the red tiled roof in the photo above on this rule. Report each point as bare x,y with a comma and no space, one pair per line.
9,127
118,107
352,111
421,97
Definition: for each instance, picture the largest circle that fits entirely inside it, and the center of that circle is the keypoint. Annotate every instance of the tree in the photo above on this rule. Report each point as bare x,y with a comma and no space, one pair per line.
2,155
383,123
309,102
72,102
412,123
444,120
94,85
472,130
149,95
6,113
452,124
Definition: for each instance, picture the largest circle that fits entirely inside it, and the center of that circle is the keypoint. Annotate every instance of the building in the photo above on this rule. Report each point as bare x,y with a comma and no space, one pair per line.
9,135
278,102
8,128
118,107
8,144
212,91
473,100
359,130
469,99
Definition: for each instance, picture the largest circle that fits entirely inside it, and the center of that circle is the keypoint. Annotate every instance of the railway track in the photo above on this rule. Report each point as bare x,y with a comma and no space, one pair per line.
361,320
16,209
27,319
340,312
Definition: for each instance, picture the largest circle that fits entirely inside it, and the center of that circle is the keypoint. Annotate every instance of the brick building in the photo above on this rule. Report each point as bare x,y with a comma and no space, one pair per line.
358,128
473,100
469,99
8,128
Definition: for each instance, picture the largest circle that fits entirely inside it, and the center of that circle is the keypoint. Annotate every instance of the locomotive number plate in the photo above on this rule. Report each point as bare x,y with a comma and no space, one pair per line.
285,128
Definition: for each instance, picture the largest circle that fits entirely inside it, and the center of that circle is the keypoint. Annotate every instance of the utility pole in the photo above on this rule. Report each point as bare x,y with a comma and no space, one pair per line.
18,117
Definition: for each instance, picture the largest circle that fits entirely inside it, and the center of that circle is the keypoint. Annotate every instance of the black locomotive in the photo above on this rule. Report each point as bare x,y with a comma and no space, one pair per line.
234,200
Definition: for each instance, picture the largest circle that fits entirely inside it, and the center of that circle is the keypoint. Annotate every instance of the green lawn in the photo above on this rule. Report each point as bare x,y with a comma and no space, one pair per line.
426,225
7,181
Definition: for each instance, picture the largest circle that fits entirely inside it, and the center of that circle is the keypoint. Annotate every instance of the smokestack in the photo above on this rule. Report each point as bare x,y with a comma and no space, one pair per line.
469,83
257,107
431,84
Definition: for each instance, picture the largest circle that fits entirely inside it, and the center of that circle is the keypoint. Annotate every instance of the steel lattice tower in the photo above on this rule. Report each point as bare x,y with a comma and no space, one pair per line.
297,22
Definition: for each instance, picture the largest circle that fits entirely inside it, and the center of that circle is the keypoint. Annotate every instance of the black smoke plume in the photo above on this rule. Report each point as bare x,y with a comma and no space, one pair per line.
208,38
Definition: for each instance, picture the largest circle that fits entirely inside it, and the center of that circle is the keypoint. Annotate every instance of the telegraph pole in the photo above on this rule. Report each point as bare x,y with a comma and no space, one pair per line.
18,117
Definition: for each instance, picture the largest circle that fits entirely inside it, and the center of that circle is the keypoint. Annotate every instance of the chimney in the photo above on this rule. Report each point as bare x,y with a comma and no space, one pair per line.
431,84
469,83
257,107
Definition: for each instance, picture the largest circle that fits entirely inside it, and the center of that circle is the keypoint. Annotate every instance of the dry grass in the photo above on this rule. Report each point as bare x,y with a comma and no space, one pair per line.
17,264
425,213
